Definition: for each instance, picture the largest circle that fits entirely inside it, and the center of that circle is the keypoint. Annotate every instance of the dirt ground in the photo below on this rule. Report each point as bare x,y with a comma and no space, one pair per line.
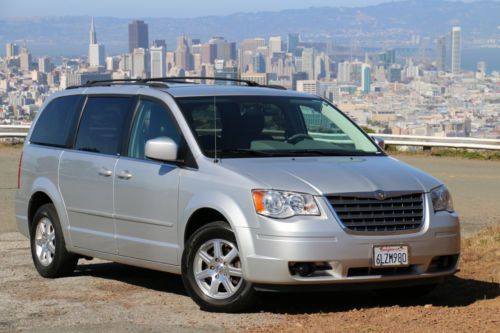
108,297
467,302
9,159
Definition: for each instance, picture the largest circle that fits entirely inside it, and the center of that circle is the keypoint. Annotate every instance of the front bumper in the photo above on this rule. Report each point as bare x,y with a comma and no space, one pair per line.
269,250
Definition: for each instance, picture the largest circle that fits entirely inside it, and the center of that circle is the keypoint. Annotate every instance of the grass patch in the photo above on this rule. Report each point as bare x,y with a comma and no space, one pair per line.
472,154
4,144
483,250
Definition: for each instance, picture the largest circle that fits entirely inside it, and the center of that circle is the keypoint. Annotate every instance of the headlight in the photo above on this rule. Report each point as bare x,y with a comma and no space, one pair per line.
282,204
441,199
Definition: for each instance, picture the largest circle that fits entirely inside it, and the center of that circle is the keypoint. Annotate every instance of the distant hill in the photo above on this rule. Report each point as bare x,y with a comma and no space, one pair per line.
389,21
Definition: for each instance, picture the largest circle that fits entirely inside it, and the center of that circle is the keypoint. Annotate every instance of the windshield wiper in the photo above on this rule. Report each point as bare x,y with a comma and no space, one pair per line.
243,152
319,152
286,152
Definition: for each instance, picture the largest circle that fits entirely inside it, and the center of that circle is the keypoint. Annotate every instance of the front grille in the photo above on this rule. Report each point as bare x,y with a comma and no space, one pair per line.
367,213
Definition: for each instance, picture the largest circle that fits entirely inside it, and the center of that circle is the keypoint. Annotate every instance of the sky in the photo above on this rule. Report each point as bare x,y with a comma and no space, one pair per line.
160,8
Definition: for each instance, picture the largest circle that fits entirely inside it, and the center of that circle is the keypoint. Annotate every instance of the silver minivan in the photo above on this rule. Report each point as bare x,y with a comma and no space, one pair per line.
239,188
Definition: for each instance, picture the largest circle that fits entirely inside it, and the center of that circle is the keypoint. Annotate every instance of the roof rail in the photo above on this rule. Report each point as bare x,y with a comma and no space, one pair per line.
107,83
161,82
180,78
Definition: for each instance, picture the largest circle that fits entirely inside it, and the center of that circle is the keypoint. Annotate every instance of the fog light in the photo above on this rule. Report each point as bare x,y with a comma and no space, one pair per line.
305,269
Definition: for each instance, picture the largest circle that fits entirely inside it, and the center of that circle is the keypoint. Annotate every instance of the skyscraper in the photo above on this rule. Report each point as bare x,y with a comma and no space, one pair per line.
182,54
293,43
274,45
441,53
138,36
44,65
344,72
140,65
25,59
158,63
93,35
366,77
308,56
456,56
208,53
11,50
97,56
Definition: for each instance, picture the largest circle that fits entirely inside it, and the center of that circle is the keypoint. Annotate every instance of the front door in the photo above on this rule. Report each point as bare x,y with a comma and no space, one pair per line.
146,191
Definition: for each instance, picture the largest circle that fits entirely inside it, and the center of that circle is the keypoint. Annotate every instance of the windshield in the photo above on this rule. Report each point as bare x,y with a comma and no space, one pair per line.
262,126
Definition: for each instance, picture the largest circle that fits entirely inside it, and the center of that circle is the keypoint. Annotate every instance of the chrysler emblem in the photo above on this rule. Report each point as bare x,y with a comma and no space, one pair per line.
380,195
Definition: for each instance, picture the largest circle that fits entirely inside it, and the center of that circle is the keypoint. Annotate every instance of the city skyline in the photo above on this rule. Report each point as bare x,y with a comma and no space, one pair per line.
406,79
390,91
138,37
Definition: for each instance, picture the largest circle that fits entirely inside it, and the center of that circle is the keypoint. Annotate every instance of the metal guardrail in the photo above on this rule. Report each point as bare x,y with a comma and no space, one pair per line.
14,131
420,141
436,141
20,131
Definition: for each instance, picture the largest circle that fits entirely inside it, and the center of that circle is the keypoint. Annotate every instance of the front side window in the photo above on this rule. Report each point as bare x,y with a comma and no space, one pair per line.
152,121
57,121
103,124
235,126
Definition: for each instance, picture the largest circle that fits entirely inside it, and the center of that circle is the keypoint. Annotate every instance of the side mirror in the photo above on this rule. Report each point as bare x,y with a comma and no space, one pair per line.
162,149
379,141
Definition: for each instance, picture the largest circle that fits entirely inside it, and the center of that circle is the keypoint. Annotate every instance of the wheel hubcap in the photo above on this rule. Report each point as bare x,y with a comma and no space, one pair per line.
217,269
45,241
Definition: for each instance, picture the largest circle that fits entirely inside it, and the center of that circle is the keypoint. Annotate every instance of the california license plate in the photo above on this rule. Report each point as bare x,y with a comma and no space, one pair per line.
390,256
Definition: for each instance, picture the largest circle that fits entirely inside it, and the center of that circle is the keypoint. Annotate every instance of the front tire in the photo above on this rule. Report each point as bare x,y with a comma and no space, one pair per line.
212,272
48,248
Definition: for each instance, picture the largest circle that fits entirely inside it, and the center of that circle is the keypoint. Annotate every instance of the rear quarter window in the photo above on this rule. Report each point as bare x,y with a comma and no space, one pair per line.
57,121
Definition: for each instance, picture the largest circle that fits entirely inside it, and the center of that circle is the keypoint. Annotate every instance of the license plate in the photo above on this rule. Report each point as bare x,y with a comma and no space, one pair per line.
390,256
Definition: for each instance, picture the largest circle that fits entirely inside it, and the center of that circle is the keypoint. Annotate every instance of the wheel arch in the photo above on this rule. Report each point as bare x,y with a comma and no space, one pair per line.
44,191
37,200
211,207
201,217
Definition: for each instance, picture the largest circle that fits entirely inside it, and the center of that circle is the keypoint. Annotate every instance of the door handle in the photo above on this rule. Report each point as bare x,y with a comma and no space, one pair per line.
125,174
105,172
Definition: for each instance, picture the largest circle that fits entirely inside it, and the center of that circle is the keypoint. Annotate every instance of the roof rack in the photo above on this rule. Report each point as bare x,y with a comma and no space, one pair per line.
161,82
107,83
170,79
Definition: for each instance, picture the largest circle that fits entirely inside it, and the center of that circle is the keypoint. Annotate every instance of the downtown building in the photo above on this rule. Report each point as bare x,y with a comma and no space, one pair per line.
97,55
456,50
138,35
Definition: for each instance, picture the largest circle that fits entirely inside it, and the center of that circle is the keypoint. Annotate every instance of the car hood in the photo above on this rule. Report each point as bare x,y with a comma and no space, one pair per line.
329,175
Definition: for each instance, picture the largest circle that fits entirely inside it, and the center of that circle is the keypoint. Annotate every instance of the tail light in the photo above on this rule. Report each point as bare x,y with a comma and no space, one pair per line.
19,171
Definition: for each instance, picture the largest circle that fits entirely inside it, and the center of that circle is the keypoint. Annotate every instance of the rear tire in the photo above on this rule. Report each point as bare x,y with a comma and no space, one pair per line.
212,273
48,248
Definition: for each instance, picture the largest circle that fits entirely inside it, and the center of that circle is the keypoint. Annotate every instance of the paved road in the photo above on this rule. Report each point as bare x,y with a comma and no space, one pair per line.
475,186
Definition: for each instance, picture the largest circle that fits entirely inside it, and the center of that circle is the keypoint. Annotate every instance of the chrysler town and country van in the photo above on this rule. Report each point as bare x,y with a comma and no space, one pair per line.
238,188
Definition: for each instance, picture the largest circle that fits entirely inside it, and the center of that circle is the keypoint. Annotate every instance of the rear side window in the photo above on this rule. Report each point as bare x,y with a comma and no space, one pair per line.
57,121
103,124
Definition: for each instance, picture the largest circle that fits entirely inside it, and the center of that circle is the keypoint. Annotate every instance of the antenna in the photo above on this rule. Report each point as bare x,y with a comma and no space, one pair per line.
215,130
